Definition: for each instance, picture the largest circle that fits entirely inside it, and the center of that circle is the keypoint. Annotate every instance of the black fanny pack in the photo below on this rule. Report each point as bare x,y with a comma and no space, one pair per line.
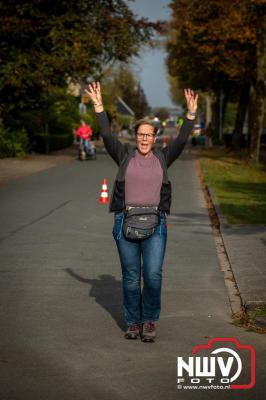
140,223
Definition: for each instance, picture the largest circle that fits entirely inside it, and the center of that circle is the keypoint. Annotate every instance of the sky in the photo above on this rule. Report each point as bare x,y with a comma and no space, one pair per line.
150,66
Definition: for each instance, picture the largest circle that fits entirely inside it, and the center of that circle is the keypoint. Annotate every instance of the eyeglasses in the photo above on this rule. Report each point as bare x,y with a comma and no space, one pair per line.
149,136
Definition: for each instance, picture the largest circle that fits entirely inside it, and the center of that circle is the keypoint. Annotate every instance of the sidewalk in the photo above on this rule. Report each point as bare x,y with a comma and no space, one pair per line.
245,247
12,169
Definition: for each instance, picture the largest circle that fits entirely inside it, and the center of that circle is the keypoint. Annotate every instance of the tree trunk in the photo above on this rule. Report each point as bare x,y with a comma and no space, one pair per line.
221,115
208,99
218,109
243,102
215,113
259,97
224,105
251,113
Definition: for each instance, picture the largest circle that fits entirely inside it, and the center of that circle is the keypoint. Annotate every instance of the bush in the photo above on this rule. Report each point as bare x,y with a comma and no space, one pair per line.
46,143
125,120
13,143
229,119
58,115
62,113
90,119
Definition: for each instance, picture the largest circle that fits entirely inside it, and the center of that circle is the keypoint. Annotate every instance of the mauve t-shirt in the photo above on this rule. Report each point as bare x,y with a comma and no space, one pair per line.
143,181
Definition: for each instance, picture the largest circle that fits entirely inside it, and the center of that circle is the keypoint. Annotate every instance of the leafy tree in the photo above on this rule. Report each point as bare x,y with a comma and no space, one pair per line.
187,63
221,47
258,95
44,42
123,83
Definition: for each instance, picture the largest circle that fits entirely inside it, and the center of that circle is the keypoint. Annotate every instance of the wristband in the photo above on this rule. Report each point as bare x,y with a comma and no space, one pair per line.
97,105
191,113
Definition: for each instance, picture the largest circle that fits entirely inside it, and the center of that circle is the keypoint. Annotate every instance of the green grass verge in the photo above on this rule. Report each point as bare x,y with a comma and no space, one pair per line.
239,185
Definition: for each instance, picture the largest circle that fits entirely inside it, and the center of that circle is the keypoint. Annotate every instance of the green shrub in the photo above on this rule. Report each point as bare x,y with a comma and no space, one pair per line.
13,143
217,142
124,119
58,115
46,143
62,113
230,116
90,119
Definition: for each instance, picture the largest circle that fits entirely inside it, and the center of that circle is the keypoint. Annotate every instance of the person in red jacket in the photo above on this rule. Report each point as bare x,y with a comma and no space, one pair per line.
84,133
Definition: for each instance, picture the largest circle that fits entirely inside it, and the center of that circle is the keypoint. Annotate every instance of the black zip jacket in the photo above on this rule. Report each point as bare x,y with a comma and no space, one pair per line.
122,153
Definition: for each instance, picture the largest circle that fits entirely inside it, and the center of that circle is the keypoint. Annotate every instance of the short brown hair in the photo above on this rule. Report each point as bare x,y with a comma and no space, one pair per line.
144,121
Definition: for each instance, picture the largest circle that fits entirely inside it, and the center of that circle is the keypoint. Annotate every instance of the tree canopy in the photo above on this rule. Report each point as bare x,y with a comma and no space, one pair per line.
122,81
219,45
43,42
218,41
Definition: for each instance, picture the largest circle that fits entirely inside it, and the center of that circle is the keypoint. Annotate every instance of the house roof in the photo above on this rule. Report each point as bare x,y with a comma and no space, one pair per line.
123,108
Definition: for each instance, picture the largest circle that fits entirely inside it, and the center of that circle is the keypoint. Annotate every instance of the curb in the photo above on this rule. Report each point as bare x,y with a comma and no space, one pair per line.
222,220
249,307
236,302
217,220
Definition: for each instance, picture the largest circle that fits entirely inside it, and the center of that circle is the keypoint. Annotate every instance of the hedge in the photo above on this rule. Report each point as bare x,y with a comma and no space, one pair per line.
46,143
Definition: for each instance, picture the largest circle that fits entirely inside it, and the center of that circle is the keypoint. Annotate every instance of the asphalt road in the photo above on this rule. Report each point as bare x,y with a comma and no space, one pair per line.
61,333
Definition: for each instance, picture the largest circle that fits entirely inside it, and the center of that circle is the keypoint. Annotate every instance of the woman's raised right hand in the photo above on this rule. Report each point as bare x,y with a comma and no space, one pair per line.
95,94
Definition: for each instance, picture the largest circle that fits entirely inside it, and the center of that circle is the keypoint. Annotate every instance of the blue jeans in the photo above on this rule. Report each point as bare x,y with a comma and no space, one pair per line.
141,256
85,145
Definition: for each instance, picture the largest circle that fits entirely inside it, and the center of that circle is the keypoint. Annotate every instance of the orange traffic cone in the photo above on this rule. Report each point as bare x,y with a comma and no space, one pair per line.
104,193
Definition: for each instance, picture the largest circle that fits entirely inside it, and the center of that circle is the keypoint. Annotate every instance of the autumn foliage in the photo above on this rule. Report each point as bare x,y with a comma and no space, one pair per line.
218,46
44,42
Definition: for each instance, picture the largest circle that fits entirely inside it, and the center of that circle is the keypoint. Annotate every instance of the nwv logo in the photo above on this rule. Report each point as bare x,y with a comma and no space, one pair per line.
227,367
206,366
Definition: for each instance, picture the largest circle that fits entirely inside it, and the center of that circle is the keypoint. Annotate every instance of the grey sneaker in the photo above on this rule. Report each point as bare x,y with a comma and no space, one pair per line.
133,332
148,333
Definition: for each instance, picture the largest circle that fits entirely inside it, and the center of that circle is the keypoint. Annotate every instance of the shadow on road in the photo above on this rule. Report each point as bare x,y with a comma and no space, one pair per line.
107,292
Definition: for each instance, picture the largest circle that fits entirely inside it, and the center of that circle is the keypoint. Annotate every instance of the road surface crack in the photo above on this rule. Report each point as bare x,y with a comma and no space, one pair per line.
12,233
